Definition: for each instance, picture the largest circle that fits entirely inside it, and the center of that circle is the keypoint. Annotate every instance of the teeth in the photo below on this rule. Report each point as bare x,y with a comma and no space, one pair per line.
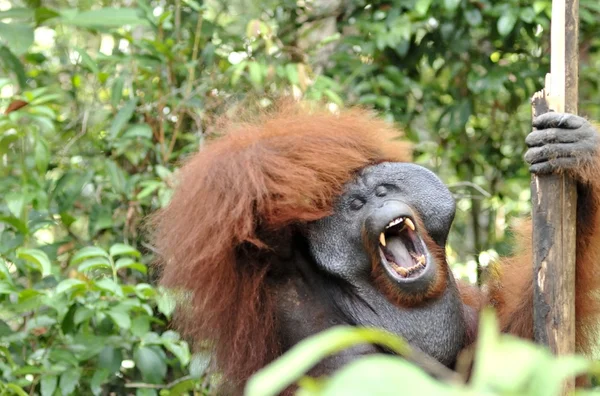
399,220
394,222
382,238
401,271
404,272
409,223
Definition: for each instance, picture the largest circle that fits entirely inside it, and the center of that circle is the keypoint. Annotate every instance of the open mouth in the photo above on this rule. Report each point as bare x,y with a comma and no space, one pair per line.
401,249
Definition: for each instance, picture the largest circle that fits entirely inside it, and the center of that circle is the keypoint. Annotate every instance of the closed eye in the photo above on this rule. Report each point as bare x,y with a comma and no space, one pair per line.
357,204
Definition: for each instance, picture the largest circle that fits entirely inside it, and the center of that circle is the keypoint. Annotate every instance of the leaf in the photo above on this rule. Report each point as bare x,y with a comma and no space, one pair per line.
146,392
87,253
138,131
162,172
104,17
140,326
87,61
145,291
4,272
506,23
11,62
41,321
69,381
110,359
383,375
82,314
451,5
116,91
109,285
116,176
48,385
165,303
67,324
14,106
422,6
550,378
42,156
473,17
513,366
42,99
43,14
37,257
237,71
291,70
127,262
151,364
17,13
334,97
149,189
184,387
119,249
256,75
6,141
121,119
94,263
7,288
15,202
98,379
199,364
120,318
69,285
17,390
16,223
180,350
284,371
17,37
5,330
539,6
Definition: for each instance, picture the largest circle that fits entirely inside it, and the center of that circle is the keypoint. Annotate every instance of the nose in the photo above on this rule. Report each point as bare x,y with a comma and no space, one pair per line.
386,212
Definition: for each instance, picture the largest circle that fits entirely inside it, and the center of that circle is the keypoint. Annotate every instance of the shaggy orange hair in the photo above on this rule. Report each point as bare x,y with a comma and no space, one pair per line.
285,167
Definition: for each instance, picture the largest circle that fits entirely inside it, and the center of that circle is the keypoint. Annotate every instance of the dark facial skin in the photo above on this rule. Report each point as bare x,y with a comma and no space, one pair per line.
381,194
335,285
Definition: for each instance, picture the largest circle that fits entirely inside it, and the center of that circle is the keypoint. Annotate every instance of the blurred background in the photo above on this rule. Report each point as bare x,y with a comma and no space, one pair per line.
101,100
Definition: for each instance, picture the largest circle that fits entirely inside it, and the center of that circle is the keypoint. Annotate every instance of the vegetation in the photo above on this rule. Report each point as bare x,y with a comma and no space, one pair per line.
102,99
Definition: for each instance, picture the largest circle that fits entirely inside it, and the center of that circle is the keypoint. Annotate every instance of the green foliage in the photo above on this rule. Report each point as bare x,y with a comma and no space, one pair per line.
101,101
504,365
83,330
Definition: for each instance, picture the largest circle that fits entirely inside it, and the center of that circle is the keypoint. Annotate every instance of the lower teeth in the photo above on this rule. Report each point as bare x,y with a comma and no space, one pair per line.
404,272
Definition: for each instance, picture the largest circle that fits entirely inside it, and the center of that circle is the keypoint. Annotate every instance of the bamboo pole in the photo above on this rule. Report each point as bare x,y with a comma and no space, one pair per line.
554,197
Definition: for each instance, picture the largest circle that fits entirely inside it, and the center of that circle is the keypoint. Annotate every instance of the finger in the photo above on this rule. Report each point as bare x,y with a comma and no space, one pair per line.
554,135
554,166
558,120
579,151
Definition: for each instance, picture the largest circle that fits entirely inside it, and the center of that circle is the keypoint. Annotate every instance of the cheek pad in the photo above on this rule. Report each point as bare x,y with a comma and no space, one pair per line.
336,246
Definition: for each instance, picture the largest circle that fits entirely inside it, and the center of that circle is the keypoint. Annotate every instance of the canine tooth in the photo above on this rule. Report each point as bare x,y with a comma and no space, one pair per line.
382,238
409,223
421,260
402,271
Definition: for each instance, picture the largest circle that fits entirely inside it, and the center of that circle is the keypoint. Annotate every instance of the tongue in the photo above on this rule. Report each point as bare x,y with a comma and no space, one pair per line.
400,253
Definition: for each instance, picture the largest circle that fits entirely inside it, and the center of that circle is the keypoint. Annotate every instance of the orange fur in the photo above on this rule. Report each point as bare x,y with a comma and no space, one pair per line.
285,167
471,295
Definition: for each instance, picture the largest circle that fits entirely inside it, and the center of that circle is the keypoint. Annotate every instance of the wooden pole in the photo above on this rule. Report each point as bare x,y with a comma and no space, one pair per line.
554,197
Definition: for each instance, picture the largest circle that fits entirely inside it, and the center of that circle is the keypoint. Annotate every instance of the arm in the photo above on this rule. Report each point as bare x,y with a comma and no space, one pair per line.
559,143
